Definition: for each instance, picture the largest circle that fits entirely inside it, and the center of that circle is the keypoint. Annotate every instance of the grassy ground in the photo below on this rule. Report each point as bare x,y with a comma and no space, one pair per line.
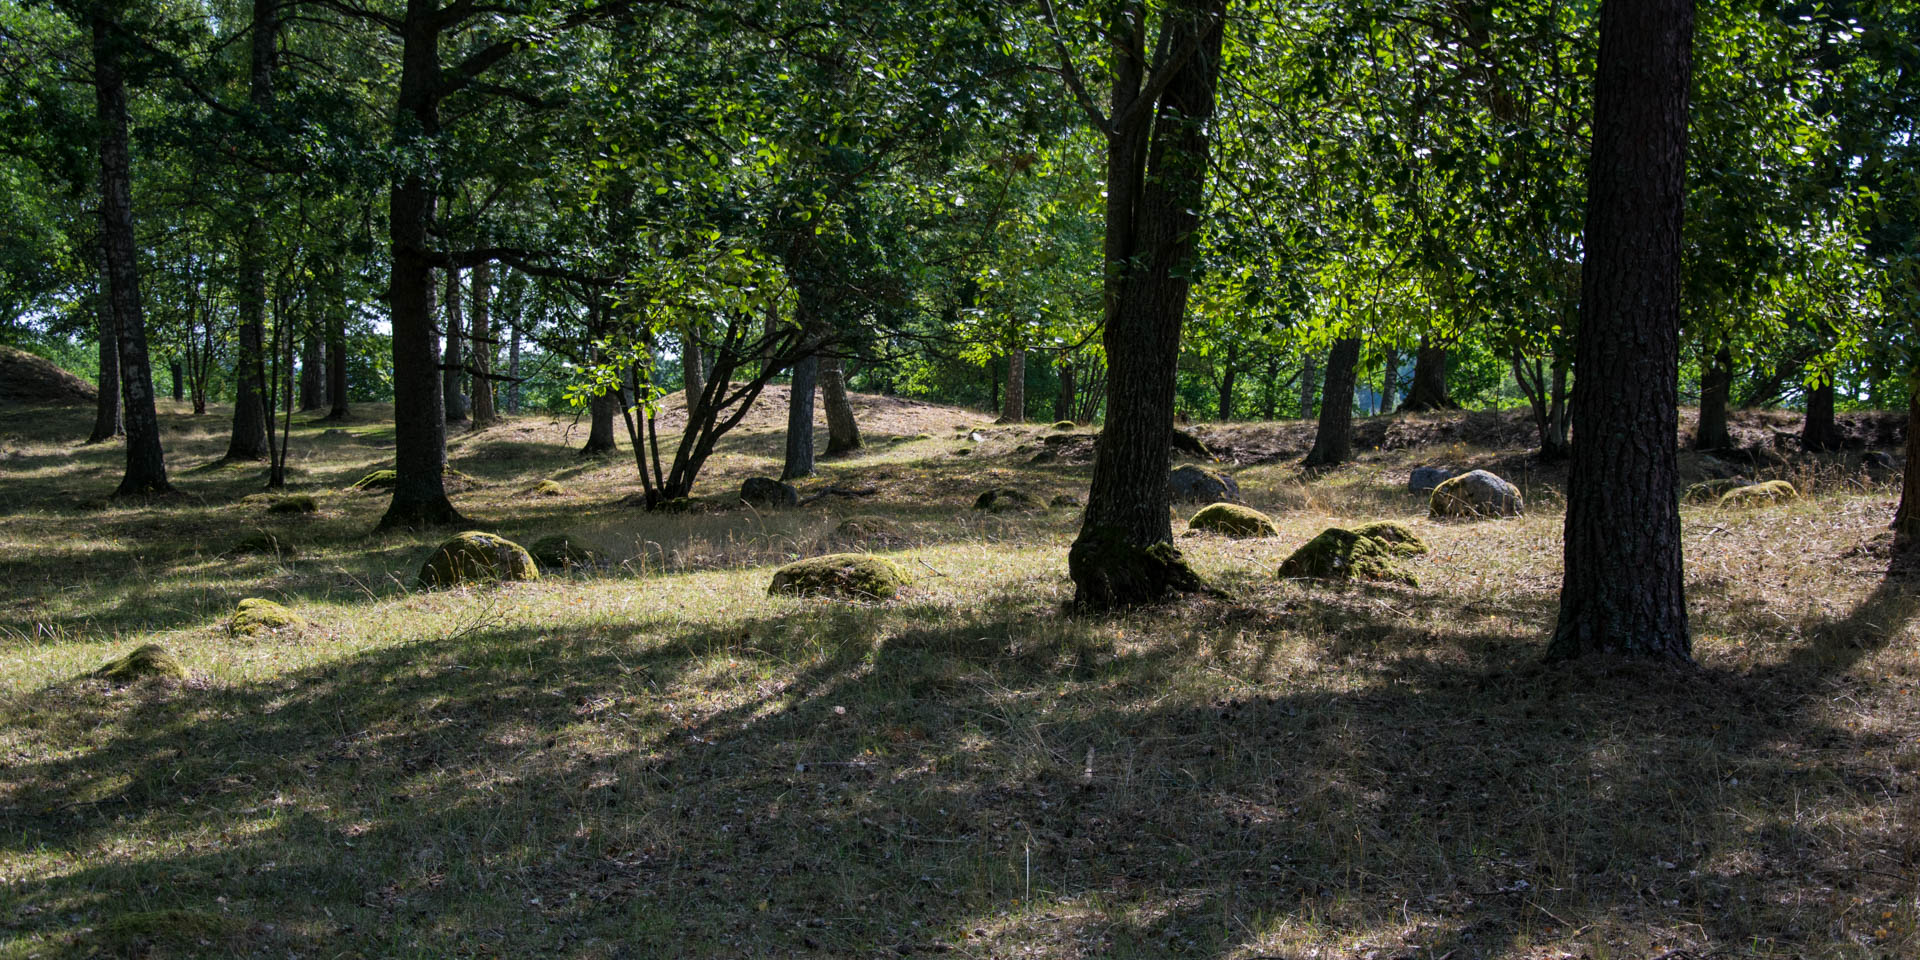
657,759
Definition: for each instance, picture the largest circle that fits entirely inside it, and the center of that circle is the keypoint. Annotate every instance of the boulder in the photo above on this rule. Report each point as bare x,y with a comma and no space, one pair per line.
867,529
1714,468
1878,460
1476,494
1233,520
1757,494
263,544
768,493
1042,458
1709,490
377,480
475,556
143,662
1201,485
255,616
549,488
1395,535
1341,554
848,576
1065,425
1064,500
560,552
1006,500
1424,479
298,503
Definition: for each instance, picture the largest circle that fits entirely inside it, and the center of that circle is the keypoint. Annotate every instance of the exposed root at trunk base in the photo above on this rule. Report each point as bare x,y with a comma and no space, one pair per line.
421,516
1110,572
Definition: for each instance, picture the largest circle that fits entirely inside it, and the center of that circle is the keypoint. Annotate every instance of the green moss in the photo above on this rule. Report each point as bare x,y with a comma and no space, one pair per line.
1772,491
561,552
476,557
143,662
549,488
1065,425
867,528
263,544
254,616
1341,554
1395,535
1707,490
377,480
1006,500
851,576
298,503
1233,520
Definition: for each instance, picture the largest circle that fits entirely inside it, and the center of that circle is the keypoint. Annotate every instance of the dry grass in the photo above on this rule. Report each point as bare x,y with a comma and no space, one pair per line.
658,759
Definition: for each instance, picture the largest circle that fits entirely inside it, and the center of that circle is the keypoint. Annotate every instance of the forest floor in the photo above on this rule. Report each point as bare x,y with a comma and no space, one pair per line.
657,759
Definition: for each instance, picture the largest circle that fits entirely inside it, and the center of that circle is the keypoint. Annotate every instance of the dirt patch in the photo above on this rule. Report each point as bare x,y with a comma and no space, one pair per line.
27,378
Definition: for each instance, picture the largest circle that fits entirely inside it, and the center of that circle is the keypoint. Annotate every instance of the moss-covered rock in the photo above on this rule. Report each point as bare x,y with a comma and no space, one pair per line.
866,528
1708,491
475,557
562,552
1477,493
1233,520
263,544
254,616
377,480
1395,535
1065,425
1772,491
141,663
549,488
297,503
1006,500
1341,554
851,576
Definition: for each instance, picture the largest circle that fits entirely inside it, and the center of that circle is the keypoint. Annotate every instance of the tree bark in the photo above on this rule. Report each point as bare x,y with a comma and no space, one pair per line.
1063,401
313,371
337,363
1156,184
146,471
483,412
1389,379
1015,408
513,369
1228,380
177,373
1623,591
1818,432
1333,438
106,411
451,362
250,413
843,432
1716,386
1309,387
1428,391
1906,520
799,461
693,374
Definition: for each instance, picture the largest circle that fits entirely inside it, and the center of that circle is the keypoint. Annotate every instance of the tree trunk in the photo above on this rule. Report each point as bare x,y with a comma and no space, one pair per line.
1389,379
337,363
843,432
1228,380
800,419
1015,408
1555,445
1156,184
483,412
993,387
513,370
1063,401
177,373
1428,391
419,420
450,363
1309,387
312,372
1623,591
1716,385
146,464
106,411
693,374
1333,439
1818,433
1906,520
1270,390
249,439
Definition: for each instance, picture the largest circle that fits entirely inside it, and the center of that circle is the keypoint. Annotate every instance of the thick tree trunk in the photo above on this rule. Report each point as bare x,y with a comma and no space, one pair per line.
1014,410
1333,439
483,412
146,464
177,373
1906,520
693,372
1818,432
800,419
1428,391
843,432
1716,386
313,371
250,413
1156,184
1063,401
106,410
1623,591
1389,379
419,420
337,363
450,362
1309,388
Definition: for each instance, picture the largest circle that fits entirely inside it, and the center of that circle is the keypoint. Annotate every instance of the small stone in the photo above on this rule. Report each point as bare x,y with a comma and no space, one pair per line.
143,662
254,616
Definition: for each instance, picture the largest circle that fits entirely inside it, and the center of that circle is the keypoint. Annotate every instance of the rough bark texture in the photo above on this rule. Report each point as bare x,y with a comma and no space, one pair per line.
513,371
483,412
337,363
313,370
799,461
1818,432
1156,181
451,361
693,371
146,465
1428,390
419,422
1063,401
1623,591
250,413
176,372
1906,520
843,432
1309,387
1389,379
1229,379
1014,410
1716,387
601,410
1333,439
106,410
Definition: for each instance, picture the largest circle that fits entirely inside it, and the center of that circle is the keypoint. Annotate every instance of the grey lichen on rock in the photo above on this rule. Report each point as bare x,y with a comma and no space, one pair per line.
143,662
473,557
254,616
560,551
849,576
1342,554
1233,520
1476,494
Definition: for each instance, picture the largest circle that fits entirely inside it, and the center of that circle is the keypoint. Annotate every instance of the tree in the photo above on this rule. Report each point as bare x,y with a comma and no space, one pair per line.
1623,590
249,439
1333,439
106,414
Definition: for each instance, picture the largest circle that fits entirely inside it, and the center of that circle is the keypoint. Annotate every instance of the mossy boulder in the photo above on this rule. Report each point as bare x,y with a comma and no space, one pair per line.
254,616
850,576
297,503
1341,554
1006,500
867,528
1707,491
562,552
141,663
263,544
377,480
1065,425
1199,484
1395,535
1477,493
767,493
1757,494
474,557
1233,520
549,488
